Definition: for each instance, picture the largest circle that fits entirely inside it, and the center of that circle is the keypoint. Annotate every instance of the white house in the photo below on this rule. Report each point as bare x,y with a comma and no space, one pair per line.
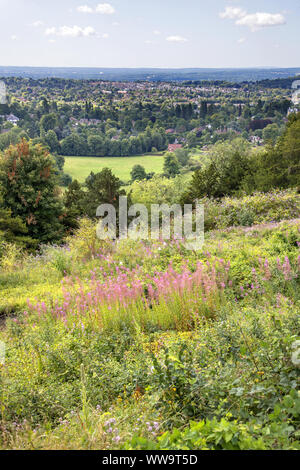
13,119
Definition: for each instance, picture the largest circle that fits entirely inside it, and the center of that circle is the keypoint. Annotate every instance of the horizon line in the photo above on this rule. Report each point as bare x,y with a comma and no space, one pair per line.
149,67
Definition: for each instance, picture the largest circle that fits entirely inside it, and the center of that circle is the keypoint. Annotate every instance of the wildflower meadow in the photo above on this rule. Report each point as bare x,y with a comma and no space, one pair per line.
147,345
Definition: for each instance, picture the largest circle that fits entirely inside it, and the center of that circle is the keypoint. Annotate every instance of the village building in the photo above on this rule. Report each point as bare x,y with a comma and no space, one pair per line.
173,147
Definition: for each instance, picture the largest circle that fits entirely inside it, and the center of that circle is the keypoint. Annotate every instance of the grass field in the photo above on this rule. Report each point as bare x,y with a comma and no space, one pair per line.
80,167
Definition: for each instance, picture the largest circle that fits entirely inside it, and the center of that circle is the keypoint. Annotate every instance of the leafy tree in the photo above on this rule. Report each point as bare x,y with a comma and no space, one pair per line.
28,180
60,162
65,179
102,188
74,196
279,166
158,190
14,136
13,229
203,110
171,165
289,147
74,145
224,174
183,156
45,104
52,141
74,199
271,133
48,122
138,173
192,139
96,146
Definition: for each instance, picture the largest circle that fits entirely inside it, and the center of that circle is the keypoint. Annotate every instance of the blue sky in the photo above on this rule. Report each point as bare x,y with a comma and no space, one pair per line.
150,33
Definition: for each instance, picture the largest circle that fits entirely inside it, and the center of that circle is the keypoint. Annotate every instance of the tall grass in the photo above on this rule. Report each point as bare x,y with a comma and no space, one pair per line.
174,299
169,300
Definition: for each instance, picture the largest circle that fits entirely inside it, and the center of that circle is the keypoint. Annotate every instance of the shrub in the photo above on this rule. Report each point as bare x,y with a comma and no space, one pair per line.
249,210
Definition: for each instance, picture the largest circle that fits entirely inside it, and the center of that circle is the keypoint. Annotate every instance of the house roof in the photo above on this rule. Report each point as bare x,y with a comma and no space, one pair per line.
173,147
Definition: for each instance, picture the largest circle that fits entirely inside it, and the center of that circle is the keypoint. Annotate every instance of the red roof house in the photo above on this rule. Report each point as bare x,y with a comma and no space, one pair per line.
173,147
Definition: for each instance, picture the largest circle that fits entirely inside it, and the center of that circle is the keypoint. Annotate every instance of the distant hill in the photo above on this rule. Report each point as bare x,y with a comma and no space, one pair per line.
121,74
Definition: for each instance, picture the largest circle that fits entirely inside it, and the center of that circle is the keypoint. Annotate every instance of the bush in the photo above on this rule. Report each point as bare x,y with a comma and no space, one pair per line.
249,210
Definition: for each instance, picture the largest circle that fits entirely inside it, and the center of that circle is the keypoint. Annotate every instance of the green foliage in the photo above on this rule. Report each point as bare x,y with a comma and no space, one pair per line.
138,173
250,210
48,122
102,188
278,166
28,182
183,156
12,137
121,344
10,255
52,142
61,260
171,165
158,190
65,180
220,435
74,204
13,229
234,373
271,133
73,145
224,174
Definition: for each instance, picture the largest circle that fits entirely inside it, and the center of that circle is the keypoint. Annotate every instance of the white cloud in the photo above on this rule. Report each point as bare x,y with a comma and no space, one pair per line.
84,9
71,31
14,37
102,8
105,9
241,40
37,23
102,35
254,21
176,39
259,20
50,31
233,13
156,32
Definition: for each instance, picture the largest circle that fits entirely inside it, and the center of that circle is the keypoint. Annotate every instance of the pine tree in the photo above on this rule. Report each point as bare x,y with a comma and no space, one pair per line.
13,230
102,188
74,205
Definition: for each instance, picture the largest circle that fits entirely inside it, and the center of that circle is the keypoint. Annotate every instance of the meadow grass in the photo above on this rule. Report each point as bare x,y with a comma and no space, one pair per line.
80,167
119,345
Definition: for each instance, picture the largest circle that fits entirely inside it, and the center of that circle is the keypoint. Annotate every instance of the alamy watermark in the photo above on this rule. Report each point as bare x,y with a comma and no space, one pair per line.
161,222
2,353
296,353
296,92
3,93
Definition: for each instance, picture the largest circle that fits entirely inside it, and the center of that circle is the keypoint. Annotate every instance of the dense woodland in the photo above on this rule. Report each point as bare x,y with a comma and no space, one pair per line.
94,118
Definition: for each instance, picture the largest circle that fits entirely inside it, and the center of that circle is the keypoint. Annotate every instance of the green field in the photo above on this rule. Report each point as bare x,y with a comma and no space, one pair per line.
80,167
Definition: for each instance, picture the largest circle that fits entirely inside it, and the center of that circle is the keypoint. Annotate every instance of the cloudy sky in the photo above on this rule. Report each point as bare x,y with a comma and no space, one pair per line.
150,33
